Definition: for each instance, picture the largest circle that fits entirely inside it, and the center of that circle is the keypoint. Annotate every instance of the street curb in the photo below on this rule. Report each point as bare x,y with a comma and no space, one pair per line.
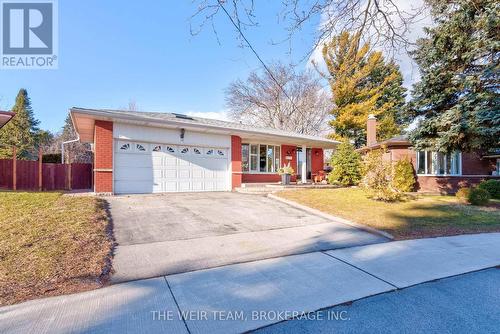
332,218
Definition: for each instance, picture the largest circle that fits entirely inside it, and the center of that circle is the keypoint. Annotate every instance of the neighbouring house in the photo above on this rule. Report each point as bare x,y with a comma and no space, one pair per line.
5,117
149,152
436,171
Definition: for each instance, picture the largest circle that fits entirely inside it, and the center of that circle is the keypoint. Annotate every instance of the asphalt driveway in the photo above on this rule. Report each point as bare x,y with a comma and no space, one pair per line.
174,233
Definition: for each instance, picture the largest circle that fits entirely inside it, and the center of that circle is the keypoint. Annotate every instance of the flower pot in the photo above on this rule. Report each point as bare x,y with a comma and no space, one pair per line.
285,178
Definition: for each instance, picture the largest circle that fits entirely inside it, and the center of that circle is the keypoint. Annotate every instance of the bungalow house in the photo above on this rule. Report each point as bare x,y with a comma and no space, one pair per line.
149,152
5,117
435,171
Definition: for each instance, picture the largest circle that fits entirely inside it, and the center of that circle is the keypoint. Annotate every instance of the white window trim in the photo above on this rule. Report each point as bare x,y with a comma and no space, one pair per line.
434,165
250,171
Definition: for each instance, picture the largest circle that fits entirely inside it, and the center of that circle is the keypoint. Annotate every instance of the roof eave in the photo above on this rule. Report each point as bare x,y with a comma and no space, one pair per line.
5,117
145,120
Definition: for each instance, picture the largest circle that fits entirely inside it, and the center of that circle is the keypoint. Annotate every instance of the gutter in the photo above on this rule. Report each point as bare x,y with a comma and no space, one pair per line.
69,141
145,118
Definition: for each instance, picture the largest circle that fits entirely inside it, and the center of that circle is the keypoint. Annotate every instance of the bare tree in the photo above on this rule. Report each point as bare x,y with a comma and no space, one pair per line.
280,98
385,23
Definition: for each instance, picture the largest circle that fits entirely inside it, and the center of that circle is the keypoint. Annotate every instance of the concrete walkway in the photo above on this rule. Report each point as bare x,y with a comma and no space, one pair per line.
247,296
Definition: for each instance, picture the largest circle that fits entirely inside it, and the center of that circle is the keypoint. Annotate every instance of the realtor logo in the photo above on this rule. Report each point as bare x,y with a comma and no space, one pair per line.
29,34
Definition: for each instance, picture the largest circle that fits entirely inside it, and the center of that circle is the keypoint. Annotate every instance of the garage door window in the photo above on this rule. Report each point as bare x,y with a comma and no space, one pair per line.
125,147
196,151
140,147
157,148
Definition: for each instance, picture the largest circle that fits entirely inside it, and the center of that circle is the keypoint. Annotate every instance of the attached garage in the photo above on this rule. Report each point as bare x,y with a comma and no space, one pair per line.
141,167
152,152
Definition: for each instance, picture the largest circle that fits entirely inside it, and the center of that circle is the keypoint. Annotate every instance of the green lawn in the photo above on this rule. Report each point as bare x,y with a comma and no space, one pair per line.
51,244
424,216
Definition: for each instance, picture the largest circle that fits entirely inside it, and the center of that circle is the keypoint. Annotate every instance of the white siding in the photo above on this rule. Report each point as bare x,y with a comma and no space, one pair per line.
168,136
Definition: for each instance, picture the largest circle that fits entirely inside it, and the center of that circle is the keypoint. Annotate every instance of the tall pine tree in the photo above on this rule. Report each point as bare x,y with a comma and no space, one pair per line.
457,99
362,83
21,131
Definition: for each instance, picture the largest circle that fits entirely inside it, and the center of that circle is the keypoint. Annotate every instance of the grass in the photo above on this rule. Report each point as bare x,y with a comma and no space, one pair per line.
51,244
419,217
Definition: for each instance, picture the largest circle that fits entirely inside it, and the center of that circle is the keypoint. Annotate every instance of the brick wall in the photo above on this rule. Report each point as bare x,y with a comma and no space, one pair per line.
317,160
474,170
289,150
449,184
257,178
236,175
103,157
472,164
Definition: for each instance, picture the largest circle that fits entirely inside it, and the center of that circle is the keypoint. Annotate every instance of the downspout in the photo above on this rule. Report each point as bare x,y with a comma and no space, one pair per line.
67,142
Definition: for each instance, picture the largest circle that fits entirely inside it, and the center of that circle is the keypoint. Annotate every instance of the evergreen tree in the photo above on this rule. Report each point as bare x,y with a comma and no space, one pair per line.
346,164
362,83
457,99
21,131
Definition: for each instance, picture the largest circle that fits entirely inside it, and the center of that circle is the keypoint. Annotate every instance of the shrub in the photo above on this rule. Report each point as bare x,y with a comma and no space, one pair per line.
377,177
286,170
52,158
403,178
492,187
463,194
346,164
478,196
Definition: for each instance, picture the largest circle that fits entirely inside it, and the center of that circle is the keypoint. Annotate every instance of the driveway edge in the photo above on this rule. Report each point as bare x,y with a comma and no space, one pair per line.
331,217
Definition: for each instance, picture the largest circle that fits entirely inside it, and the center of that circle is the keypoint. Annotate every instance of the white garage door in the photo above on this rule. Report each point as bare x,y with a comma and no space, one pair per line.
147,168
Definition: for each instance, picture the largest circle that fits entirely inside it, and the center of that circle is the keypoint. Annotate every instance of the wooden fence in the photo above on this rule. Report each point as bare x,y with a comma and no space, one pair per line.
25,175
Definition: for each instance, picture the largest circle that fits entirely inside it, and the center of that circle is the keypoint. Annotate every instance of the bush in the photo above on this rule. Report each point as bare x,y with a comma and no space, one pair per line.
492,187
346,164
463,194
403,178
377,177
51,158
478,196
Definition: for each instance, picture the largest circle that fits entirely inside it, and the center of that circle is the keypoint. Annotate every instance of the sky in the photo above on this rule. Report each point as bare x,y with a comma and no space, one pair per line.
113,52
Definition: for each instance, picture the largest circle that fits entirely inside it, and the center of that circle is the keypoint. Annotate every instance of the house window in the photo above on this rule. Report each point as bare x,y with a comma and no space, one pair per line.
437,163
253,157
260,158
277,158
245,156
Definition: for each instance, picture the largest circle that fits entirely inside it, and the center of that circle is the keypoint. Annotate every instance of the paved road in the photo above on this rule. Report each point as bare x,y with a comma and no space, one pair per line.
174,233
267,291
466,304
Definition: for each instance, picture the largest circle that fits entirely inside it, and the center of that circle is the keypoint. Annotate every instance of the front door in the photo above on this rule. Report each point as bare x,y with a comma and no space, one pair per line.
299,163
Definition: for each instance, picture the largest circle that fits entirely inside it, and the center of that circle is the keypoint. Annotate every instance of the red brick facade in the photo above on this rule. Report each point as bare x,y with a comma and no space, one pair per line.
317,161
474,170
103,157
236,175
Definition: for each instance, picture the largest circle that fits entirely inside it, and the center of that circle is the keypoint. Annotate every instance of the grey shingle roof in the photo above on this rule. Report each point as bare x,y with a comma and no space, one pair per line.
184,119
